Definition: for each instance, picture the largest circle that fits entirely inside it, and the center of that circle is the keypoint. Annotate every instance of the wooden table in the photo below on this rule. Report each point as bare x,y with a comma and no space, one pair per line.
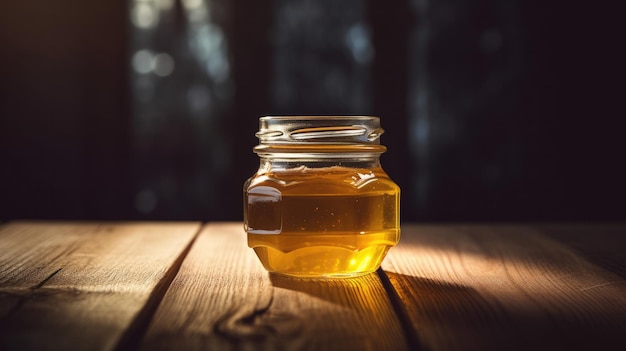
166,286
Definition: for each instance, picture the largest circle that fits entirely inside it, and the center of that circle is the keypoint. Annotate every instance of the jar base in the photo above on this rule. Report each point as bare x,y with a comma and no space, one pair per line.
321,276
322,261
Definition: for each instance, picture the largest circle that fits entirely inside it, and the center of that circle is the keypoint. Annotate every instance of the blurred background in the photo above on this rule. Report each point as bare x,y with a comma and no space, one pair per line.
494,110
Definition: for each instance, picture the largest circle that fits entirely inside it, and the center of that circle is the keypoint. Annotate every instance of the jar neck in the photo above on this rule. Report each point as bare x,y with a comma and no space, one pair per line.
268,163
319,141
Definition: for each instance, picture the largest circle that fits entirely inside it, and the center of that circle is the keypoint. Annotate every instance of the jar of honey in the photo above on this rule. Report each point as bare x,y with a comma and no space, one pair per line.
320,204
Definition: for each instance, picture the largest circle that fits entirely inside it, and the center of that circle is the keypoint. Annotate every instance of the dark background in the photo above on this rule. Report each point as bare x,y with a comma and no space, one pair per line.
494,110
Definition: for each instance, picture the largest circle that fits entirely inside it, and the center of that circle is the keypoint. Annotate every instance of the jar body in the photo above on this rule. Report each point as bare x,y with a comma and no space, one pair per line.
321,221
321,217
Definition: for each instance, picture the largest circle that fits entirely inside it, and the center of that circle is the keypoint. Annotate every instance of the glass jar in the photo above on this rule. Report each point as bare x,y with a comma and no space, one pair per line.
320,204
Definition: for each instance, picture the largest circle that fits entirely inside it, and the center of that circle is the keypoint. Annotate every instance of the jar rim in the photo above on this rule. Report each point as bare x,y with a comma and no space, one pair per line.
319,130
320,117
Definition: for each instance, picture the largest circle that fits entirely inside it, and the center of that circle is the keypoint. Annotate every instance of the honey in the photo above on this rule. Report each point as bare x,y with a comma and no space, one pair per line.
328,221
321,209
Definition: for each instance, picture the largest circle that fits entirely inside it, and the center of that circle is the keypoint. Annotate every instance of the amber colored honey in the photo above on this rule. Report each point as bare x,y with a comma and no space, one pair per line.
322,222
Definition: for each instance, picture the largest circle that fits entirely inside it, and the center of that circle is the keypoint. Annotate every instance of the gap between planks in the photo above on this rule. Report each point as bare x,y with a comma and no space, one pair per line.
90,285
132,337
410,334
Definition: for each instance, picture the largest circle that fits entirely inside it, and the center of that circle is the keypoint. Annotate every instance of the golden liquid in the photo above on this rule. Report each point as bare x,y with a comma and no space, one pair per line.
315,222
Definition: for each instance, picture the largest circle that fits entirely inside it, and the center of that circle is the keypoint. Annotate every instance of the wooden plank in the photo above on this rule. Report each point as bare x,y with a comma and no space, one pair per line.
223,299
28,250
502,288
84,286
602,244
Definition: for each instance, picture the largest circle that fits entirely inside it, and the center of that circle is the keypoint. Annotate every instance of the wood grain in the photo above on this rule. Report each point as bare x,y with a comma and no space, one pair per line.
223,299
603,244
504,287
83,285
